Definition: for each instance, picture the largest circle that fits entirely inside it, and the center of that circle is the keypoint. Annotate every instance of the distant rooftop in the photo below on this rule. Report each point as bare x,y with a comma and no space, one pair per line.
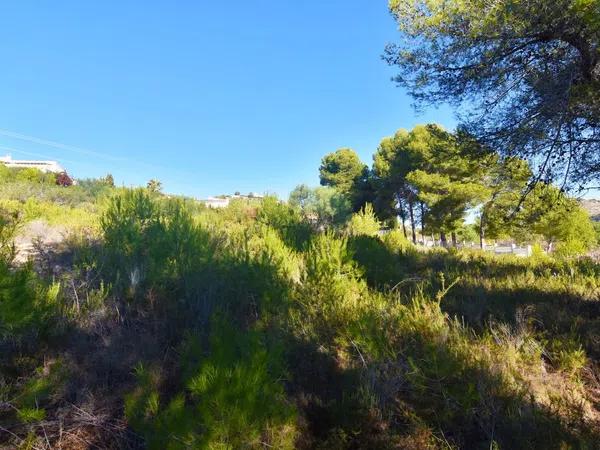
44,166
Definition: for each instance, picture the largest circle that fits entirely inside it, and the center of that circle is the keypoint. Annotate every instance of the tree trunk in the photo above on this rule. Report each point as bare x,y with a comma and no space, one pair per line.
481,234
454,243
412,221
443,240
402,215
482,229
422,222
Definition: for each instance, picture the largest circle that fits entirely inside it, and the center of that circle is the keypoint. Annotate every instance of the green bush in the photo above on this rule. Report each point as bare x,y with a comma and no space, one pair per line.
294,230
32,175
364,222
235,399
151,244
9,224
27,306
571,248
396,242
26,309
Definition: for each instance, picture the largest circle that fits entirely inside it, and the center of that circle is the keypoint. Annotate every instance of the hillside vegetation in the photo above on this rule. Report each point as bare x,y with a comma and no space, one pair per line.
160,324
371,312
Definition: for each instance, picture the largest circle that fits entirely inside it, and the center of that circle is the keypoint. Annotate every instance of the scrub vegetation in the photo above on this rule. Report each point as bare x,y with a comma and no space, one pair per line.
367,313
169,325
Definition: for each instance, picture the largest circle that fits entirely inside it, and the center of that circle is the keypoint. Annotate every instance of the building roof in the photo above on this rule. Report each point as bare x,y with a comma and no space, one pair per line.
43,165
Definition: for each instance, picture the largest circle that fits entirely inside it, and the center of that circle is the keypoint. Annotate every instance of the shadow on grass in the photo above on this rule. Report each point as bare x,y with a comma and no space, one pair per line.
427,393
543,295
425,396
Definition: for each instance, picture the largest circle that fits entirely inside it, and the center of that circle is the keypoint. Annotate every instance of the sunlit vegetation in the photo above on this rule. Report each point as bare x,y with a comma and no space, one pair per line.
368,313
273,325
451,188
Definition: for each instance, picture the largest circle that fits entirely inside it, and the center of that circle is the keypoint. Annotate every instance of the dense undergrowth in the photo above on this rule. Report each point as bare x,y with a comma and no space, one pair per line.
177,327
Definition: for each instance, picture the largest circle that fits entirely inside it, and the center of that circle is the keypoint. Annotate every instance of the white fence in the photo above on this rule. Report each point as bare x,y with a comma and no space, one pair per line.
507,249
511,249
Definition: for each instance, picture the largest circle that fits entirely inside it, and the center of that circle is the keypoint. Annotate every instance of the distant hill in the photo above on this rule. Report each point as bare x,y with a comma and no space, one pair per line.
593,207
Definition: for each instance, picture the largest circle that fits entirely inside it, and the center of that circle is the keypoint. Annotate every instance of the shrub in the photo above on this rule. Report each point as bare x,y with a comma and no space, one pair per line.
9,224
27,308
32,175
294,230
570,248
133,230
396,242
254,330
568,355
236,399
364,222
380,264
64,180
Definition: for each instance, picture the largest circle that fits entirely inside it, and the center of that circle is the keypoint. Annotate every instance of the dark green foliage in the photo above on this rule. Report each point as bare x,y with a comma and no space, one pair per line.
9,223
234,398
382,266
344,171
149,243
45,385
26,306
432,180
527,71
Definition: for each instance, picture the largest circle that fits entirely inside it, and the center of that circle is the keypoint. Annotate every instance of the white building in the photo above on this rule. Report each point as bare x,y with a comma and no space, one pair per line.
216,202
44,166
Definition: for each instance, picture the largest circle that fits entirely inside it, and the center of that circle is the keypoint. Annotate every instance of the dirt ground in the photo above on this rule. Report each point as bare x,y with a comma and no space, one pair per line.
37,235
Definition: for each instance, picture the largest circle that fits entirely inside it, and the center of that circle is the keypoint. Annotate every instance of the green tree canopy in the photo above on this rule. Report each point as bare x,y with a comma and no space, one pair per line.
506,181
109,180
344,171
557,219
390,166
440,171
528,71
448,198
323,205
393,161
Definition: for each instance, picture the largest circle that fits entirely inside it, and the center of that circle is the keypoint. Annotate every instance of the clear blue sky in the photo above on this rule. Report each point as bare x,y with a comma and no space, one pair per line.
209,97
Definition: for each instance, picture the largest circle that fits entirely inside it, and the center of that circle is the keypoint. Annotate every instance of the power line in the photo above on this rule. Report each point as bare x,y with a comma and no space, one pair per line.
70,148
40,155
87,152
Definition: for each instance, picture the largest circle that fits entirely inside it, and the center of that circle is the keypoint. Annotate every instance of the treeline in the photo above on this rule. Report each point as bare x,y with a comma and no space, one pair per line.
430,182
